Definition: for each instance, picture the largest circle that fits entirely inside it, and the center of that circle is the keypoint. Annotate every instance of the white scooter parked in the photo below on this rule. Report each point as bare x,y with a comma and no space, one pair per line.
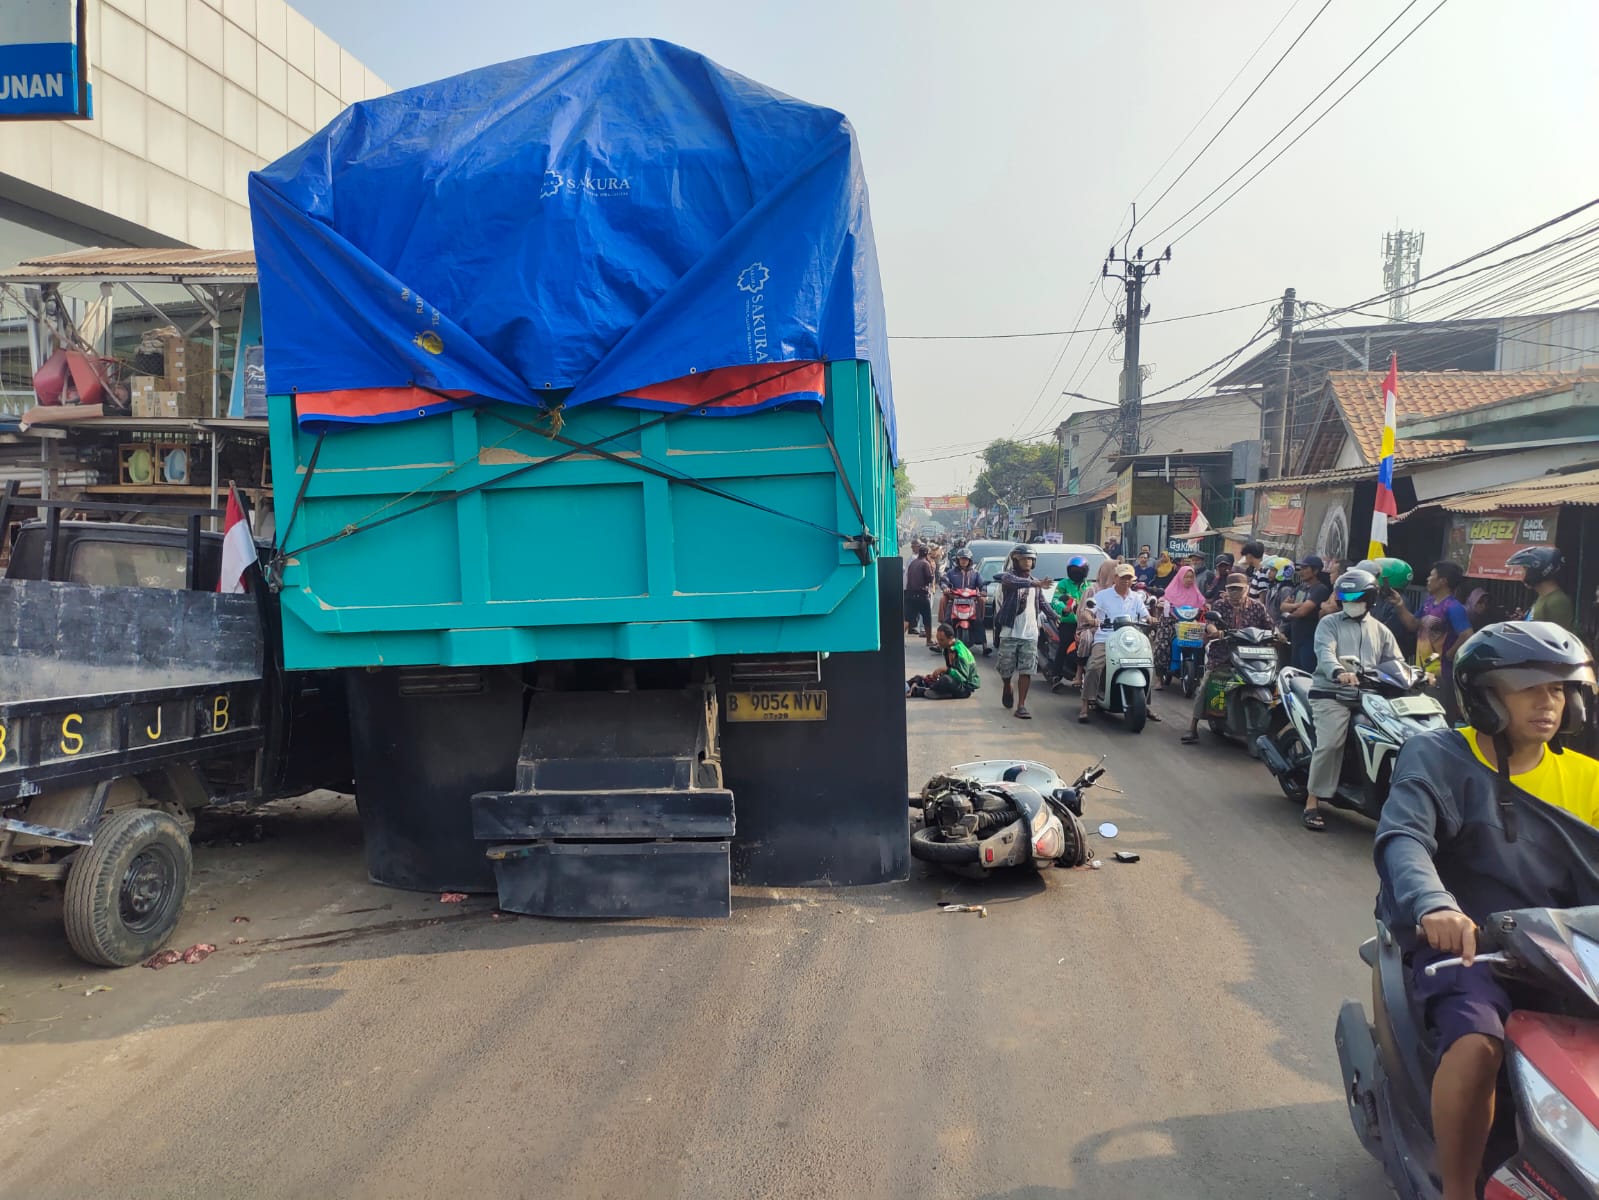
1129,672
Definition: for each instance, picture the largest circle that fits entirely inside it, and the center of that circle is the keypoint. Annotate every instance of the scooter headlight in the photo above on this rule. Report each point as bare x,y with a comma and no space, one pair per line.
1570,1134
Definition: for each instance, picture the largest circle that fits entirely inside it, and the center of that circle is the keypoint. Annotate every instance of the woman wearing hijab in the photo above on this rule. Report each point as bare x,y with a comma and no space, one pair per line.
1182,592
1165,570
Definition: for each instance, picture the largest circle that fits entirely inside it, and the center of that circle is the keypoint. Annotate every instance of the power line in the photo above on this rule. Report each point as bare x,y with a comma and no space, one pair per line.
1288,123
1322,116
1325,6
1212,108
980,337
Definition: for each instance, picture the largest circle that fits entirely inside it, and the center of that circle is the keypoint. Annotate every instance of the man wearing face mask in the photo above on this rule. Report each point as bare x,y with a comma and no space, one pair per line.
1350,633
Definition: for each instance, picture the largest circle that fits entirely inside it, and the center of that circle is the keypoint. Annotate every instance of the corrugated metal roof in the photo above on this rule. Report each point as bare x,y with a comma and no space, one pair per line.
1402,466
124,263
1579,488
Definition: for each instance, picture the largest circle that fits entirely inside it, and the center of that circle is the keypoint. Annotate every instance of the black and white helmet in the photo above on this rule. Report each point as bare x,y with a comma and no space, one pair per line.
1516,655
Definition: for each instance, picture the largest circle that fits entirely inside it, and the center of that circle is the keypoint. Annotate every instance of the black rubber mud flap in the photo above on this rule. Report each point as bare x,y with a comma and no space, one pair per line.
425,740
614,879
823,802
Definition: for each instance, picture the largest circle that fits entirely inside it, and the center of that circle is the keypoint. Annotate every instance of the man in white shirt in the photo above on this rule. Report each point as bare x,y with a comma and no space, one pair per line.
1016,626
1120,601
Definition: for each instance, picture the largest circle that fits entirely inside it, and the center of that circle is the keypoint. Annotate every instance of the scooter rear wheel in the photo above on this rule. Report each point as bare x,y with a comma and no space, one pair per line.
925,845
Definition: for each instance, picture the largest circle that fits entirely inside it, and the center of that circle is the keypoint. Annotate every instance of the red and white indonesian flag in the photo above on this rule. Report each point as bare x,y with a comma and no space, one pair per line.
238,546
1198,527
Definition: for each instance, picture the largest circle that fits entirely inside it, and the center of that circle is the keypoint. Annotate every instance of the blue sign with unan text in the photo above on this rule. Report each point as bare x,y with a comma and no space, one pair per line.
39,79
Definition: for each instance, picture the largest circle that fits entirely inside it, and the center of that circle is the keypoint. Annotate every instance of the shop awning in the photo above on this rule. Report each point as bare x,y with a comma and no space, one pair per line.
1547,491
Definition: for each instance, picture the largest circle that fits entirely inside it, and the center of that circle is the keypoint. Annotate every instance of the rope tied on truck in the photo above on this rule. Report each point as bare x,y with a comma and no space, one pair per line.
862,542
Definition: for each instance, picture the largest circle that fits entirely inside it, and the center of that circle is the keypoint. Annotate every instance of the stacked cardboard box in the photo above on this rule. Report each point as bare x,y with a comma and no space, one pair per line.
183,389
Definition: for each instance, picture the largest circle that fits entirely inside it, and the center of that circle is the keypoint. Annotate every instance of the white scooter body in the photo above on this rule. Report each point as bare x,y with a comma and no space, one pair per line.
1129,672
1378,728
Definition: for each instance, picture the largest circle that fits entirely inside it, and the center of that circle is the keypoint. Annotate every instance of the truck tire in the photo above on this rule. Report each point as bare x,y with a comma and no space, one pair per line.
125,891
926,846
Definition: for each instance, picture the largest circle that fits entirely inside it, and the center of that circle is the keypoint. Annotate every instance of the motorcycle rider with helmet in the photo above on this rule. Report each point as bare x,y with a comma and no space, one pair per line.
962,575
1485,819
1350,633
1069,593
1541,566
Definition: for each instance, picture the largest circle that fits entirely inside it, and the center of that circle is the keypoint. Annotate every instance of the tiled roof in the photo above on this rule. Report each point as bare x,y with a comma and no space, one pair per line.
1424,394
1580,488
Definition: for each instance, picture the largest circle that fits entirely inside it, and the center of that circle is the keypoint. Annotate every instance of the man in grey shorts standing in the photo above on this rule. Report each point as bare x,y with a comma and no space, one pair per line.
1021,599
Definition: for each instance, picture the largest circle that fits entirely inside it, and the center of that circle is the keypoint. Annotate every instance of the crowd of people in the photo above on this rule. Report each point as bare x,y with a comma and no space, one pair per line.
1494,811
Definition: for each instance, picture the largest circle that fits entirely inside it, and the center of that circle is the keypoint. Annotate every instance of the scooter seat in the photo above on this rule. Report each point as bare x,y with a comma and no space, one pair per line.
1299,684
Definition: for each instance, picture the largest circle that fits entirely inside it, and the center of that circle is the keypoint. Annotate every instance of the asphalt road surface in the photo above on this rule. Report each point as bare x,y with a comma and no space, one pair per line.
1160,1030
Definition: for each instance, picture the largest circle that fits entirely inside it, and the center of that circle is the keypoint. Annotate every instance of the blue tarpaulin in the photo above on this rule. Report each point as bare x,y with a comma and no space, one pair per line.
599,219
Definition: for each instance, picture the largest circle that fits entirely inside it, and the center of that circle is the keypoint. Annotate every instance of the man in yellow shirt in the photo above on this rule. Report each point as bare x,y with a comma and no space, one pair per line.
1490,818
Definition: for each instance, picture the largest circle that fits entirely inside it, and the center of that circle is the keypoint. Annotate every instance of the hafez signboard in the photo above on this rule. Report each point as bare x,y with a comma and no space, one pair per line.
1482,543
43,59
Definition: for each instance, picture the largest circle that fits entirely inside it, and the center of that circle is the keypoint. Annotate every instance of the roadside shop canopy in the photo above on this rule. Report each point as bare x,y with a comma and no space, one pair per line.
580,226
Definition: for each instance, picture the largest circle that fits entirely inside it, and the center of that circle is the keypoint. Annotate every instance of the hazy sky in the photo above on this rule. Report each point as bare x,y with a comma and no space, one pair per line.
1004,141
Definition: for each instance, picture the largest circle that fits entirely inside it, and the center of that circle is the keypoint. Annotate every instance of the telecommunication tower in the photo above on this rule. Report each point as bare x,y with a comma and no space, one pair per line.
1401,269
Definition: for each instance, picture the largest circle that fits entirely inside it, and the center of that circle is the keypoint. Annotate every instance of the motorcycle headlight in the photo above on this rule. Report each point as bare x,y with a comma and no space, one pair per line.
1568,1132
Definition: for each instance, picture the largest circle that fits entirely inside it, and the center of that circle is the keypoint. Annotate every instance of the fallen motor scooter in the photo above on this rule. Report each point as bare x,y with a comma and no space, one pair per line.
1239,697
1003,812
1390,706
1129,673
1550,1149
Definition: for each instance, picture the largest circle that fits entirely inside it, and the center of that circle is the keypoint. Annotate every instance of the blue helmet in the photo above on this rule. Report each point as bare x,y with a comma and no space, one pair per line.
1077,569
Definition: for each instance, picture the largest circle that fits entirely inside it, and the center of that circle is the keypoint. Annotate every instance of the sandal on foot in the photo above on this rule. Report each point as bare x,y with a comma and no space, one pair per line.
1155,717
1007,697
1082,718
1022,714
1314,821
1190,739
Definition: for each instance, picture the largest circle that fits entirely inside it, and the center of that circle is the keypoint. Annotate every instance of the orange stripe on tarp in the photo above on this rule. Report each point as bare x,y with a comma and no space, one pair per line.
752,386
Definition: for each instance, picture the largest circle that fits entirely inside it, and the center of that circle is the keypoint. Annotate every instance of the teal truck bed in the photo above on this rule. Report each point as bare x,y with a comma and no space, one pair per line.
475,540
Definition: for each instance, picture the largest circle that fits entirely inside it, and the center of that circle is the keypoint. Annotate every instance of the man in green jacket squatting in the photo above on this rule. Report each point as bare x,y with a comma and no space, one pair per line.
957,679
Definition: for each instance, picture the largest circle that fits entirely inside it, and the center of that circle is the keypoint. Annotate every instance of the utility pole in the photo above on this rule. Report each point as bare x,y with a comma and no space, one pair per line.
1285,367
1132,274
1401,269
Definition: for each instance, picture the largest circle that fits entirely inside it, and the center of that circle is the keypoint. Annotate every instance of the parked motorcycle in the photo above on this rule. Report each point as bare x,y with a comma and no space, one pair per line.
966,615
1187,664
1004,812
1551,1147
1239,698
1129,672
1391,705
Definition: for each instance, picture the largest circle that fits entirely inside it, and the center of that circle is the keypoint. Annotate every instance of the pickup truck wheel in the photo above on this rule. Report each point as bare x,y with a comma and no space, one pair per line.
125,891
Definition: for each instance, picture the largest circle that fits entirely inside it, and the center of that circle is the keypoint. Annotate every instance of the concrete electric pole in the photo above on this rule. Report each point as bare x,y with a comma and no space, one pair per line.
1133,273
1401,269
1285,368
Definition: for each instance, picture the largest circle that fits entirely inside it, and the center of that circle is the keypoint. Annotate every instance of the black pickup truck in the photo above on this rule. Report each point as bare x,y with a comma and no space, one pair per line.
131,694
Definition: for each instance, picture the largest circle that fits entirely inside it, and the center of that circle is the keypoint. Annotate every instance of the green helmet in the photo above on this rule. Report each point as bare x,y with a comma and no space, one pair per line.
1394,573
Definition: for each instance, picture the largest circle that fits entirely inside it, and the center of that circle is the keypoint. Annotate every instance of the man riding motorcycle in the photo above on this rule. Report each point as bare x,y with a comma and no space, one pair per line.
1350,633
1069,593
1480,820
963,575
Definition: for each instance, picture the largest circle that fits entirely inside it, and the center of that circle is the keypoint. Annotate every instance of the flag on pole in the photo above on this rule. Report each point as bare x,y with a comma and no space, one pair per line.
238,546
1385,506
1198,527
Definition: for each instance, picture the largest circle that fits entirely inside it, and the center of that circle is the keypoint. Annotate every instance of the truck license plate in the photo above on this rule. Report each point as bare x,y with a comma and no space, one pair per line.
777,706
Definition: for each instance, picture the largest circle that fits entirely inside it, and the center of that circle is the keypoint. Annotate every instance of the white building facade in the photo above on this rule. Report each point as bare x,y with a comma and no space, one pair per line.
189,96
